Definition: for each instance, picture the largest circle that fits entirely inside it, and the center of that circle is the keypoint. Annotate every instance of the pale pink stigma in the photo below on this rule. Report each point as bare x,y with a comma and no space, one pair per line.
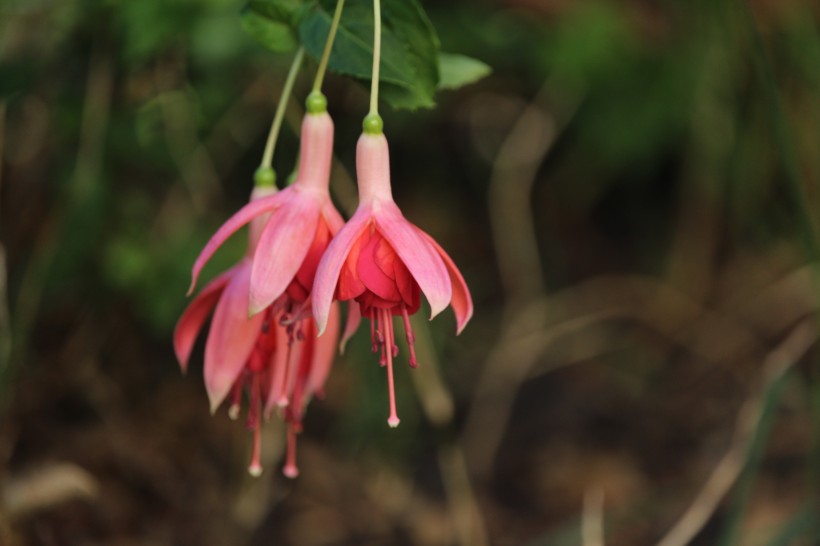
290,470
389,344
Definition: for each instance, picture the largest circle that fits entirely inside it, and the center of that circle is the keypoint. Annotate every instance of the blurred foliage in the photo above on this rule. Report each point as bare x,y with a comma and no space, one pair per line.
133,128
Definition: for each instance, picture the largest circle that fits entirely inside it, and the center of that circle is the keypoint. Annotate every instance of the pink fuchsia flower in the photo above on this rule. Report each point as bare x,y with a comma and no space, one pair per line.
302,221
265,356
383,262
289,233
239,348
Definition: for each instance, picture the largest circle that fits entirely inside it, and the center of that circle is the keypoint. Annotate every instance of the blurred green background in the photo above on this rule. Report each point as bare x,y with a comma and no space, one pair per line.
633,196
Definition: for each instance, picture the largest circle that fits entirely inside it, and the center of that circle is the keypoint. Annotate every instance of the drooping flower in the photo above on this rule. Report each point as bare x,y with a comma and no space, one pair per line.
383,262
302,221
262,336
239,351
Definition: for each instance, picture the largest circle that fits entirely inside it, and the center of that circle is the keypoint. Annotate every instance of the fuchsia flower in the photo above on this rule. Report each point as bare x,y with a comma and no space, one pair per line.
382,261
262,337
294,238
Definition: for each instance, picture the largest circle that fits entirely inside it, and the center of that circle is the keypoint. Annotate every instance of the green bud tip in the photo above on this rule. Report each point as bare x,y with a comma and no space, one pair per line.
373,124
316,103
264,177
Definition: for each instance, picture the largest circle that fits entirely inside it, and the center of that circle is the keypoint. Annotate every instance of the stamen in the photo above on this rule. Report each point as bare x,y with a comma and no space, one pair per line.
255,401
380,336
290,469
236,399
296,406
255,467
373,331
302,312
292,368
393,419
411,337
287,379
279,375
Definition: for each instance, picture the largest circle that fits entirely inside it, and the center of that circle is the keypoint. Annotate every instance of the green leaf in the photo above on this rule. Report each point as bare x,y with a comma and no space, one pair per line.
271,23
409,61
459,70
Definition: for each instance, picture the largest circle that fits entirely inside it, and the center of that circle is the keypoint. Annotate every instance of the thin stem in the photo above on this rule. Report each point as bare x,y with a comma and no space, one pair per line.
377,50
267,157
334,26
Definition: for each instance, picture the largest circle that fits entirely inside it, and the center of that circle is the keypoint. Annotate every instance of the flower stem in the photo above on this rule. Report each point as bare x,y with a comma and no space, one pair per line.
377,49
267,157
334,26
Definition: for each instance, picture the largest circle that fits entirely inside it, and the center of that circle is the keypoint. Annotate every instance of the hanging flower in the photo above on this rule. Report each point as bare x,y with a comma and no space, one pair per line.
263,337
239,350
302,221
383,262
301,225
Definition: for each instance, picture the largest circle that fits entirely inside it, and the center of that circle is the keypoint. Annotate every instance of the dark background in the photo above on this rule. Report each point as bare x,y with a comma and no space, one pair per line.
632,196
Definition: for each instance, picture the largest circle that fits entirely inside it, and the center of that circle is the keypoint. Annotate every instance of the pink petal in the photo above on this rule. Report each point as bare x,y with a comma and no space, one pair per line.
422,260
327,275
307,271
372,275
350,286
282,248
242,217
324,350
231,338
354,318
462,301
194,317
408,287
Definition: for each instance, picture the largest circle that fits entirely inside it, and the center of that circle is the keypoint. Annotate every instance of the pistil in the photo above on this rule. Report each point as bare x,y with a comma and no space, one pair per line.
387,324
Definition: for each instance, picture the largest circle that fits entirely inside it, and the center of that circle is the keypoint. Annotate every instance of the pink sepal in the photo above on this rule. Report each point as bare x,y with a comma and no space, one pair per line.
195,315
421,259
231,338
242,217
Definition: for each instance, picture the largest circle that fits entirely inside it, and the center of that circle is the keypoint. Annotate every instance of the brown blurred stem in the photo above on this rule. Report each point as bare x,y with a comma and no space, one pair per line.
511,217
437,403
725,474
592,522
510,204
